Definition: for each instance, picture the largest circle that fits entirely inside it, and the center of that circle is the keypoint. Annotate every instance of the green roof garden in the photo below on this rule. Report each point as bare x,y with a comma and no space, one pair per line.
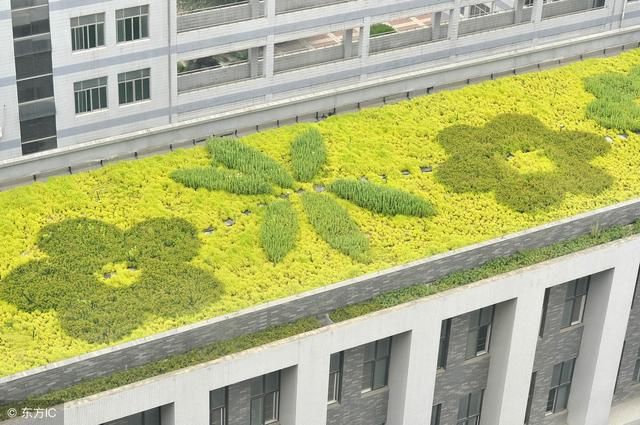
139,247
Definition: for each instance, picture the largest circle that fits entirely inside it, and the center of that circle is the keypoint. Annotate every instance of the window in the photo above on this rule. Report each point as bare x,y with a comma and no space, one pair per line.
134,86
218,407
469,408
479,332
132,23
30,21
636,369
443,349
545,306
87,32
35,89
532,388
436,411
575,302
149,417
560,386
90,95
265,399
335,377
375,372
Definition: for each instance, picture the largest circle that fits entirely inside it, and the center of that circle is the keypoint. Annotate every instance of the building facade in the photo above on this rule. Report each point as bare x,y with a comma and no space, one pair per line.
551,344
87,81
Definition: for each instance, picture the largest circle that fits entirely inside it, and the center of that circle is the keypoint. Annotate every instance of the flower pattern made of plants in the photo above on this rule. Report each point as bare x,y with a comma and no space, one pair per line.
240,169
73,282
616,104
485,159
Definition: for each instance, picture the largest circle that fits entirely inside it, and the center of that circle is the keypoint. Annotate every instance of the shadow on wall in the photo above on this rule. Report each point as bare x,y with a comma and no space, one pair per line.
104,282
528,166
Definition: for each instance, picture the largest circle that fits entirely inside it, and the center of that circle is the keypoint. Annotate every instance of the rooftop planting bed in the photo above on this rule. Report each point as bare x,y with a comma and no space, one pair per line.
138,247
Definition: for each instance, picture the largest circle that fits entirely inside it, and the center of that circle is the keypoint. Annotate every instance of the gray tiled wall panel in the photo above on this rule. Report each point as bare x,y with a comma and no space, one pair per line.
626,388
355,407
461,376
317,302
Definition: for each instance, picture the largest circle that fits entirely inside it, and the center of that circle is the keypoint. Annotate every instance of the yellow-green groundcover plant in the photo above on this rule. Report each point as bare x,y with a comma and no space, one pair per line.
398,146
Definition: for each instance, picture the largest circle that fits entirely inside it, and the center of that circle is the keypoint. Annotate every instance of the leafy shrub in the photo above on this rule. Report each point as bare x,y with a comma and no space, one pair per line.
381,29
180,361
87,308
380,199
335,226
308,155
239,156
489,269
479,162
221,179
279,230
616,104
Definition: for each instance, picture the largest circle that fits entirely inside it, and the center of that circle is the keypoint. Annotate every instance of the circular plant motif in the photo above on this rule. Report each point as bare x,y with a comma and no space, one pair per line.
528,166
617,99
104,282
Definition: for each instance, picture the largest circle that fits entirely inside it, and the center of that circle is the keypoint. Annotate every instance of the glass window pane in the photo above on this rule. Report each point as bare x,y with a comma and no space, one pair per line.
95,99
474,319
129,87
217,398
367,376
475,400
483,333
562,398
152,417
256,411
135,23
332,387
370,352
138,89
93,41
120,30
122,98
435,414
555,377
485,316
380,374
571,289
272,382
144,21
567,313
472,343
128,28
257,387
384,347
100,31
217,416
146,92
334,362
103,97
271,407
463,406
551,400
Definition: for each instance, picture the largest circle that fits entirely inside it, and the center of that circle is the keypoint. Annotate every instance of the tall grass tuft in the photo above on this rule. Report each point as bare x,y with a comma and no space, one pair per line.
220,179
381,199
616,104
279,230
308,155
238,156
335,226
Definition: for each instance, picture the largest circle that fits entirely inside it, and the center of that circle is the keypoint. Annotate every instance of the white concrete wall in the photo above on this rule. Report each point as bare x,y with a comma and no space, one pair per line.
412,372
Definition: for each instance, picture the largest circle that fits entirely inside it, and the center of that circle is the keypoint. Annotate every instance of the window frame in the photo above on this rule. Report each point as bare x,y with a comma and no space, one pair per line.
127,21
96,87
555,388
129,83
575,297
478,330
470,418
82,32
222,409
436,413
335,378
262,397
443,346
371,363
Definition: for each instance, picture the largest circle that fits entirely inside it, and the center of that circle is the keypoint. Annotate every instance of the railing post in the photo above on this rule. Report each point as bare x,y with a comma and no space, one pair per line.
536,13
518,7
454,21
347,43
253,54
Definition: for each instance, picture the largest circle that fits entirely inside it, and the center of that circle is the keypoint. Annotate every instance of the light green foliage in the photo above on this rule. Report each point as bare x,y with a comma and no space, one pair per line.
222,179
489,269
238,156
375,142
479,162
617,103
96,312
381,199
335,226
308,155
279,230
191,358
381,29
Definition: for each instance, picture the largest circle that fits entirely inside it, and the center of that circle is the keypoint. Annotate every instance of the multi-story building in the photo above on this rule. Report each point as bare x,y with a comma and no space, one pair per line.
89,81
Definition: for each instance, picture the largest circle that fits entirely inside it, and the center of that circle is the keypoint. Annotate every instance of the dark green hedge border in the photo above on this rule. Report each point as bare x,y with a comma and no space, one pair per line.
220,349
